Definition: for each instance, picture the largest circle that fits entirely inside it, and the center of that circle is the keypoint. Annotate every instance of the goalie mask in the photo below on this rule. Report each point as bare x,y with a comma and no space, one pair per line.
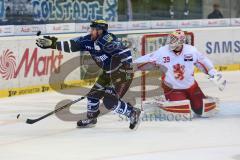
176,39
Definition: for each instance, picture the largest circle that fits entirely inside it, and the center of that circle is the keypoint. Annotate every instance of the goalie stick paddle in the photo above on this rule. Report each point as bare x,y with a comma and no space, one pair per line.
31,121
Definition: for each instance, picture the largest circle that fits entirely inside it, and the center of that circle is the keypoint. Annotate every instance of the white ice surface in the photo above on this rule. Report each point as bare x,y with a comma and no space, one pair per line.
215,138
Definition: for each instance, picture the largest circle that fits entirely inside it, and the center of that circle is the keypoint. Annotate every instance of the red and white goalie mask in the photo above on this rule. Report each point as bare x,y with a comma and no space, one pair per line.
176,39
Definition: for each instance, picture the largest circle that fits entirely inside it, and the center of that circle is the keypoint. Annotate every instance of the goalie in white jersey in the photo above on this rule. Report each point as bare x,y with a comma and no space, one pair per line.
178,60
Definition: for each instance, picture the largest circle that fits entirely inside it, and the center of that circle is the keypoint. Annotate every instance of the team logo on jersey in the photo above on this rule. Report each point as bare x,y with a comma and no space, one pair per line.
179,70
101,58
108,38
188,57
97,47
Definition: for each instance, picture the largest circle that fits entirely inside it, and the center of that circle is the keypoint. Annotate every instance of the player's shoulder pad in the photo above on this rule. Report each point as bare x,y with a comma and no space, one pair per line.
107,38
163,50
190,47
110,43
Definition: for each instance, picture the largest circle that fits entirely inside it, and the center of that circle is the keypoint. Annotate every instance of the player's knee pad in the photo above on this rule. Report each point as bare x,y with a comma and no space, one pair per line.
210,107
110,98
110,102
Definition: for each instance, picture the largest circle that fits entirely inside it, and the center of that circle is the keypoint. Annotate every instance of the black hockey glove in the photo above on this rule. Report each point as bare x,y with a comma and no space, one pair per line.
46,42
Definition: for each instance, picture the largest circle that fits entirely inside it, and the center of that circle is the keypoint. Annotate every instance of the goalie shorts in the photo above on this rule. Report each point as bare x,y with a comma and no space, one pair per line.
194,94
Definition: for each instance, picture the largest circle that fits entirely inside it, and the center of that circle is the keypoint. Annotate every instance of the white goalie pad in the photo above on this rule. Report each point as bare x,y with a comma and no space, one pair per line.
210,107
179,110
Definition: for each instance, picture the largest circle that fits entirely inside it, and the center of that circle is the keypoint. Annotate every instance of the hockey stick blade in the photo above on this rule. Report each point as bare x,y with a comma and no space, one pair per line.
32,121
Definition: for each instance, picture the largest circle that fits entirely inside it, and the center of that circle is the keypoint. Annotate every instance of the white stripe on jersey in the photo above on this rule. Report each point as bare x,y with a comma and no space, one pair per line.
125,59
123,51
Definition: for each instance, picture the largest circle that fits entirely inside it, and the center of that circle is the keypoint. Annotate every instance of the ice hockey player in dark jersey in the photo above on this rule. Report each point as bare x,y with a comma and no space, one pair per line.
116,62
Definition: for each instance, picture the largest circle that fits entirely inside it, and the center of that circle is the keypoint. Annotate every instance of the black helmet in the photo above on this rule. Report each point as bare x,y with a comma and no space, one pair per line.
99,24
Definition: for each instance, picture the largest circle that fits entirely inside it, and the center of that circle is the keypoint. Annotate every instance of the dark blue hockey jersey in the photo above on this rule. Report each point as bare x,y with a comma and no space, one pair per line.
107,51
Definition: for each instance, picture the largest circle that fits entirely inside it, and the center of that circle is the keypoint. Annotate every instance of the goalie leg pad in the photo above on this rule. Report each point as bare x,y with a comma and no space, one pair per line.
210,107
181,110
176,106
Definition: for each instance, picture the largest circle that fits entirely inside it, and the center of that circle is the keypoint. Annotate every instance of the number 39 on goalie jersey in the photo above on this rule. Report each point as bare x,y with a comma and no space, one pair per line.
103,50
178,69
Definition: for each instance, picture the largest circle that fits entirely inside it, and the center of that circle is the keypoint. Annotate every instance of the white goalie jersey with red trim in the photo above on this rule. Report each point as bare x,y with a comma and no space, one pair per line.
178,69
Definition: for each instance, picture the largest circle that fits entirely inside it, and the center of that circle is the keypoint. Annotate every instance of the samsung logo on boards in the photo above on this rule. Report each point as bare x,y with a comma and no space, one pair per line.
223,47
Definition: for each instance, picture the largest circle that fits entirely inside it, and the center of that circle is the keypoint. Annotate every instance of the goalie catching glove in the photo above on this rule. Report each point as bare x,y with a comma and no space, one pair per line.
46,42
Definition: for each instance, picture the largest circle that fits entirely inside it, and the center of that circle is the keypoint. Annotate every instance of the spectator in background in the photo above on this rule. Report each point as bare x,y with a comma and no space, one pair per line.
216,12
8,13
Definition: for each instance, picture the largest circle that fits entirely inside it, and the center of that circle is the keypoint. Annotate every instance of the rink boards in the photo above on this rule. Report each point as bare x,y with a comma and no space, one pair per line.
26,69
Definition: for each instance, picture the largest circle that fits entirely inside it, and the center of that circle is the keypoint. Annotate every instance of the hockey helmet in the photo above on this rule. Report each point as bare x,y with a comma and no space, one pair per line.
99,24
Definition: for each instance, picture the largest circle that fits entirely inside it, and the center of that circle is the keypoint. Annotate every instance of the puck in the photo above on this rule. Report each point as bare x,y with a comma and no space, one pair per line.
18,116
38,33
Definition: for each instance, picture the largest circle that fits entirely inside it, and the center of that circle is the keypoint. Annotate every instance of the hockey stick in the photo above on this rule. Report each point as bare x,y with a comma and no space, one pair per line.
31,121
